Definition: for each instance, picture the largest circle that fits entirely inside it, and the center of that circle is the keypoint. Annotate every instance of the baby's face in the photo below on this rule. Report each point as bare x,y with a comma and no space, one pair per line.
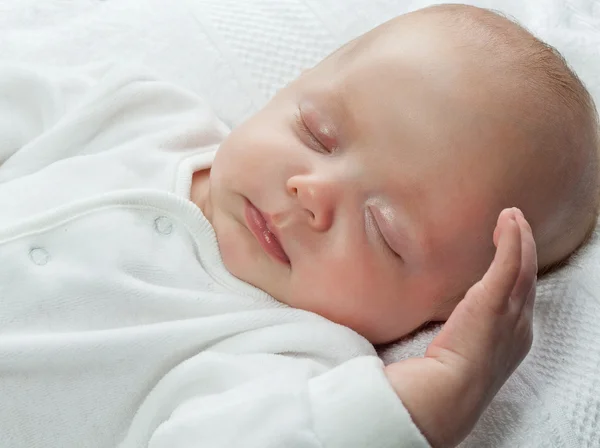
369,172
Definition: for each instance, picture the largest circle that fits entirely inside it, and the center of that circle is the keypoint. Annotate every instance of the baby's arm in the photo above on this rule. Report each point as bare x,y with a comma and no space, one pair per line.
48,115
271,401
33,100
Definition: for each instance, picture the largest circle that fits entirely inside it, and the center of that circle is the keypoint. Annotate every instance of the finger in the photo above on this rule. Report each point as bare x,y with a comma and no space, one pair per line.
500,279
524,292
503,218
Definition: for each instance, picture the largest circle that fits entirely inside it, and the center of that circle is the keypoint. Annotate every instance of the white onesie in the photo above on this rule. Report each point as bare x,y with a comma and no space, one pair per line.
119,324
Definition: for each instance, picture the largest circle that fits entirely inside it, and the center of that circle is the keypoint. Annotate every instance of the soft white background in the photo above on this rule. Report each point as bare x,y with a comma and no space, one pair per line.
237,53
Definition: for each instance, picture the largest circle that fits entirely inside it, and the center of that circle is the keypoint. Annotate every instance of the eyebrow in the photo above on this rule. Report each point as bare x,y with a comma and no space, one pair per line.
342,108
334,103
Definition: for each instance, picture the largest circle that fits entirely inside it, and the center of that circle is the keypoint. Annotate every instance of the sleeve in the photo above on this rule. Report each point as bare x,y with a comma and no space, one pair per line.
33,100
48,115
264,401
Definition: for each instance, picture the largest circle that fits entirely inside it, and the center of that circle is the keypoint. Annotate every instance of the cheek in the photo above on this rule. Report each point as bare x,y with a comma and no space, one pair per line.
249,153
338,286
238,155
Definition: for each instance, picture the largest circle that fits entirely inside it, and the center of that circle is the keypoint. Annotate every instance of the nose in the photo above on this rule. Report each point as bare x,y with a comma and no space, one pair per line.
317,198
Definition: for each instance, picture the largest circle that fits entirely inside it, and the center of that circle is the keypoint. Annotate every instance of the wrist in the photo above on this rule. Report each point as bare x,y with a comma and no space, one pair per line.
441,403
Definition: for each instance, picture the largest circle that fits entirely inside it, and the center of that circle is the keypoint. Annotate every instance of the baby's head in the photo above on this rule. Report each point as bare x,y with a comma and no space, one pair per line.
382,170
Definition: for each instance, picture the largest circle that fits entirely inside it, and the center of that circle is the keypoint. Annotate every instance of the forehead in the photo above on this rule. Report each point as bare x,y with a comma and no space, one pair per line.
380,88
429,100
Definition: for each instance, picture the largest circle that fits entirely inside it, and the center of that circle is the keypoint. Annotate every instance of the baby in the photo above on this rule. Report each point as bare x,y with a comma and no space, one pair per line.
167,283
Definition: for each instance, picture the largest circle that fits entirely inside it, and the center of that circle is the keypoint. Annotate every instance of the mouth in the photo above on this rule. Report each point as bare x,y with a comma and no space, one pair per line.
259,226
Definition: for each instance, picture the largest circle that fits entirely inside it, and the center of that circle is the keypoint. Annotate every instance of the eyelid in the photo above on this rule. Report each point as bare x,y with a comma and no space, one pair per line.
381,235
303,127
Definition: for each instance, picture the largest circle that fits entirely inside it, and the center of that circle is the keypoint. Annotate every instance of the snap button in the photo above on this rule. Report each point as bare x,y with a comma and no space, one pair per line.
163,225
39,256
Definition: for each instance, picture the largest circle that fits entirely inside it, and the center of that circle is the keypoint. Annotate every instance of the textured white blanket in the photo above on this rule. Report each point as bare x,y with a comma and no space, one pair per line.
236,53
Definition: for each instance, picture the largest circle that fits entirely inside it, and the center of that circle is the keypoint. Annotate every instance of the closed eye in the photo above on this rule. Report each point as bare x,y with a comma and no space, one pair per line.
380,236
314,142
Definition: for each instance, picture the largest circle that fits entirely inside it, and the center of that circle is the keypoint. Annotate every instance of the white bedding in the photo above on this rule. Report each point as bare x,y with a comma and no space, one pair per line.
237,53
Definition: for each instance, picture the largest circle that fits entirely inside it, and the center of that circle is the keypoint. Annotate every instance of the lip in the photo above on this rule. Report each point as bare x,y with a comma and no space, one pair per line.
264,232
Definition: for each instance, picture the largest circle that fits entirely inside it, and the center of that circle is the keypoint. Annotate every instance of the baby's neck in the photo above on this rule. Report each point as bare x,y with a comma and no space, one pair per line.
199,191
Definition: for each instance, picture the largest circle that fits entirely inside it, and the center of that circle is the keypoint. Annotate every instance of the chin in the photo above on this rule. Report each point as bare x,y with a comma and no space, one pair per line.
230,250
237,261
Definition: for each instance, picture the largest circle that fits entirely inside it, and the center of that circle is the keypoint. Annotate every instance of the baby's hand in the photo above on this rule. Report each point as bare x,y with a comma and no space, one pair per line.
484,340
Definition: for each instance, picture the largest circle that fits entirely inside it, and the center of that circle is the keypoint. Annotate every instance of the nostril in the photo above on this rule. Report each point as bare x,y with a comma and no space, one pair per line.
294,191
311,215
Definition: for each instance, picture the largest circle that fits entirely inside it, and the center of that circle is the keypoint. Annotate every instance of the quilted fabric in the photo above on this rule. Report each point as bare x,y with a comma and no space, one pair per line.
237,53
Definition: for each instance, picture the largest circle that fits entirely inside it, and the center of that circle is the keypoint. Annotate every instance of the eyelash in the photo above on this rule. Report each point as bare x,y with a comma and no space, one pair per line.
307,132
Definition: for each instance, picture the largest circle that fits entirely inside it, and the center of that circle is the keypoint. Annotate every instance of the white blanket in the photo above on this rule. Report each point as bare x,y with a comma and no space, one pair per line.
236,53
